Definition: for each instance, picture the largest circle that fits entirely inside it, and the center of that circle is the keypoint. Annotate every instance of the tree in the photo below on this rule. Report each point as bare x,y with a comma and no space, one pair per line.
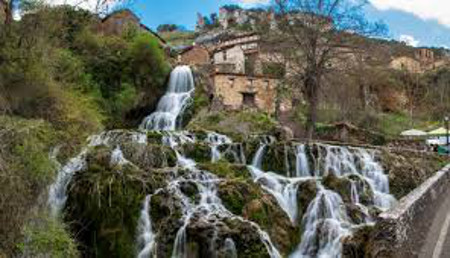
167,28
318,36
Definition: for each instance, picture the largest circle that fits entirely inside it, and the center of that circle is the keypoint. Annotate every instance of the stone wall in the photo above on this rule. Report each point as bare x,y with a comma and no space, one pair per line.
401,232
406,63
230,88
197,55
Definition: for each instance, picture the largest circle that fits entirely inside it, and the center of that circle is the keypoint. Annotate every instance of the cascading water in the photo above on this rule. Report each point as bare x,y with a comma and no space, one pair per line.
325,221
302,167
146,237
172,105
324,226
216,140
209,208
283,189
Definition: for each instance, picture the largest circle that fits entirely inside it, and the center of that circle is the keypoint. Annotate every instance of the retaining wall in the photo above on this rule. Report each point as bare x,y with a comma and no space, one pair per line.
401,232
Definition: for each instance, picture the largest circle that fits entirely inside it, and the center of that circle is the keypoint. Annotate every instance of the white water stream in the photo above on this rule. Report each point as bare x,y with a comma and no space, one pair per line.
325,222
167,116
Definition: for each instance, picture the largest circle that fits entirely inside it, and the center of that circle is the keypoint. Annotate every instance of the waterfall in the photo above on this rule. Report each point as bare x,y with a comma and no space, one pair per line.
354,192
325,222
209,208
216,140
283,189
323,226
117,158
301,162
146,238
172,105
230,249
57,194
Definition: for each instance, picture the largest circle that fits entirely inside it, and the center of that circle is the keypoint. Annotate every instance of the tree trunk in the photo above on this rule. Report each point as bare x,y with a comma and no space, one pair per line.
9,8
312,85
363,95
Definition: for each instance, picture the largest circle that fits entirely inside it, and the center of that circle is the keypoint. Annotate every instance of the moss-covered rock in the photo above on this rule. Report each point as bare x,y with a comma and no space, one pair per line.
149,156
358,245
226,170
343,185
306,193
408,170
154,137
247,199
200,152
104,201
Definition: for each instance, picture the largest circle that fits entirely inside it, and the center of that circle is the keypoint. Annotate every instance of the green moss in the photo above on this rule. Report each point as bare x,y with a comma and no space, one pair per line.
154,137
105,201
226,170
236,124
275,158
199,152
46,236
25,173
235,194
149,156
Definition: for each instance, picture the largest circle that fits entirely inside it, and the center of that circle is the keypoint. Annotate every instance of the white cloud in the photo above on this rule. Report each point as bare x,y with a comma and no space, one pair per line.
249,3
91,5
409,40
425,9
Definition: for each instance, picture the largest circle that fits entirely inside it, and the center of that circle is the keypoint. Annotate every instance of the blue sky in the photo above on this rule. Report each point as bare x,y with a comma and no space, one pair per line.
419,22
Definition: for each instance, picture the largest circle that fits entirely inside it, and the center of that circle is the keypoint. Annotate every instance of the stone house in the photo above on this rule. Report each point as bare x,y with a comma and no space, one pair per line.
194,55
236,52
405,63
238,91
240,80
119,21
424,60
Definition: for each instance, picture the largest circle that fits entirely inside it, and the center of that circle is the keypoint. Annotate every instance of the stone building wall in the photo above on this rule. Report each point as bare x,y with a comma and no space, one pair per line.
232,89
234,55
406,63
197,55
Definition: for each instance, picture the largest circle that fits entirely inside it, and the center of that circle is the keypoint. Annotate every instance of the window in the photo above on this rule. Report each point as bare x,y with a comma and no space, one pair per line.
231,80
266,84
224,57
248,99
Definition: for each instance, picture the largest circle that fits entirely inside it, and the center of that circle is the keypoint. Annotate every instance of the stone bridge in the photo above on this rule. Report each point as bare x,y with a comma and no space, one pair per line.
419,226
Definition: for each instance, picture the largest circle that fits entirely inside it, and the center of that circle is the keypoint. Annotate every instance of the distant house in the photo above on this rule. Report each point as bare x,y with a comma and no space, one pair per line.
405,63
236,52
194,55
240,77
423,60
119,21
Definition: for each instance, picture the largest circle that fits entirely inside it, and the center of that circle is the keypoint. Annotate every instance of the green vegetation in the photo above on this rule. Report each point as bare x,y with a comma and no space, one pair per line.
61,81
237,124
47,236
105,201
25,172
178,38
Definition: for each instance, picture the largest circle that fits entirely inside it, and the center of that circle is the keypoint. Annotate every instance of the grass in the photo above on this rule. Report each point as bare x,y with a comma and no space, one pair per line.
179,38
